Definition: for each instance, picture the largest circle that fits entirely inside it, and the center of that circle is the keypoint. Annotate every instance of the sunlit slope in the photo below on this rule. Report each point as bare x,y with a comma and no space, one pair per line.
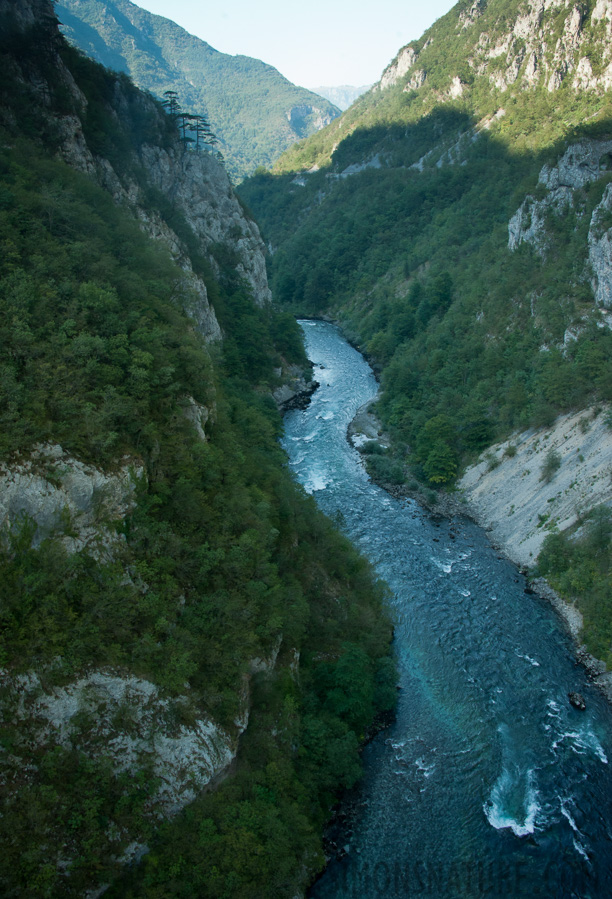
255,112
540,71
449,230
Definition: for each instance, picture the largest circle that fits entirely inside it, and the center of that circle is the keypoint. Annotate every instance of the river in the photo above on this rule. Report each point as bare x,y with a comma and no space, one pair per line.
489,783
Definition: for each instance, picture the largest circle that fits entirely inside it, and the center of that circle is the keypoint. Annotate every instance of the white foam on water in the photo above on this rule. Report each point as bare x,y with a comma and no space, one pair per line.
316,482
446,567
582,742
465,593
527,659
580,849
423,768
567,814
325,416
513,802
578,846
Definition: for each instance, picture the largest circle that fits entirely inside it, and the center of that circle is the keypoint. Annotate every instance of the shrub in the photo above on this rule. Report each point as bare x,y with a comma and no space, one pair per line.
552,463
371,447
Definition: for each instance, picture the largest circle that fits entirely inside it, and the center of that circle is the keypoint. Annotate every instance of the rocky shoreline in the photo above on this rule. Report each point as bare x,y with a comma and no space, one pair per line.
365,427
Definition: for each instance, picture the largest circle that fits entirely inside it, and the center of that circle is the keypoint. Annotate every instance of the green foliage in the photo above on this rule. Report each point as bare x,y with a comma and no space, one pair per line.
371,447
221,557
441,463
416,263
580,568
250,836
245,101
70,803
550,466
385,469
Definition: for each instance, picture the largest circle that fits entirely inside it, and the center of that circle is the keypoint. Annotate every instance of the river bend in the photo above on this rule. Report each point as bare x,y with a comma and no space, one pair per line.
489,784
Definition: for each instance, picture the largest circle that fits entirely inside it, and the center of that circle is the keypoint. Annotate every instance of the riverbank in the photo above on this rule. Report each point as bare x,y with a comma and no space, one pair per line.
486,492
486,750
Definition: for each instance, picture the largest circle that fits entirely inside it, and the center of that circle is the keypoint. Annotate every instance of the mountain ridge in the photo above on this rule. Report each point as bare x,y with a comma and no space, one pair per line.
479,58
457,221
167,594
255,112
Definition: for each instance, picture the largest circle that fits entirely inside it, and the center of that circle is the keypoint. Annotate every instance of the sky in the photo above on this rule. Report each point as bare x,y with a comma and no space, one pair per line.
315,43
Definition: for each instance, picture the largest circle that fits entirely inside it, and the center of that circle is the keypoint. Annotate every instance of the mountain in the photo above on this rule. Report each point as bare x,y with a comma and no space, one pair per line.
190,653
343,95
254,111
457,220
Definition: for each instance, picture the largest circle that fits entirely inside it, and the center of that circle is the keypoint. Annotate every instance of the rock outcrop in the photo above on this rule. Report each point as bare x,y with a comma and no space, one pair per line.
49,494
402,64
199,188
547,43
125,718
195,183
600,250
58,496
583,163
509,495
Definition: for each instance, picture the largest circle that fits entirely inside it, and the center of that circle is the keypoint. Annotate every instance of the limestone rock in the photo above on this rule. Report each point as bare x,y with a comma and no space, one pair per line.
456,89
198,415
600,251
127,718
404,61
577,701
469,17
418,80
62,496
305,115
199,187
517,506
582,163
194,182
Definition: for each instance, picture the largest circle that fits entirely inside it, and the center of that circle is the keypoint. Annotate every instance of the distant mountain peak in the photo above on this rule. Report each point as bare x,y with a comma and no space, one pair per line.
343,95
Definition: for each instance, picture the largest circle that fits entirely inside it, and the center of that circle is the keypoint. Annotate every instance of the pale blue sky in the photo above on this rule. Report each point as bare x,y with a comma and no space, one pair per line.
313,42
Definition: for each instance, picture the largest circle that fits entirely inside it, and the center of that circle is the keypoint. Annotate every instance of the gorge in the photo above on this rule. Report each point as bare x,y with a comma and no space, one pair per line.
488,782
192,654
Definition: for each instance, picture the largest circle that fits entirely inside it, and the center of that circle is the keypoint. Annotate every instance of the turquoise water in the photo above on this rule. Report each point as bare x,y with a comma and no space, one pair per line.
489,784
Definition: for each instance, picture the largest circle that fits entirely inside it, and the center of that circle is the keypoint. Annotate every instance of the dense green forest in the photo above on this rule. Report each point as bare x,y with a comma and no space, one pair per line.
580,564
402,235
222,559
417,267
255,112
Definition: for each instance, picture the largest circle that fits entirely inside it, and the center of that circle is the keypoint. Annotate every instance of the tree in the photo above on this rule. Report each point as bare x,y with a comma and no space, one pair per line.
203,133
171,103
441,464
552,463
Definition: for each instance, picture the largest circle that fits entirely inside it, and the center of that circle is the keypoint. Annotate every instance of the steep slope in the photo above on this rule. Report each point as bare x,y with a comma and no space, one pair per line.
254,111
343,95
175,616
456,219
546,63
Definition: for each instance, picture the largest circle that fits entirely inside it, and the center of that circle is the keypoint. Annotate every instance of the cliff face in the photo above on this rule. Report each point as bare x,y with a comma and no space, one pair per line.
198,186
194,183
50,497
541,42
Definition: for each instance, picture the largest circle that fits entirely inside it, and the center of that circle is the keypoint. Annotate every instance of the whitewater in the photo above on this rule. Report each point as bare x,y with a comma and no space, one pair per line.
489,783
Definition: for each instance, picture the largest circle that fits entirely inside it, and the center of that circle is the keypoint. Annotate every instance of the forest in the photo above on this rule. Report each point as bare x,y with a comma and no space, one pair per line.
222,558
394,221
